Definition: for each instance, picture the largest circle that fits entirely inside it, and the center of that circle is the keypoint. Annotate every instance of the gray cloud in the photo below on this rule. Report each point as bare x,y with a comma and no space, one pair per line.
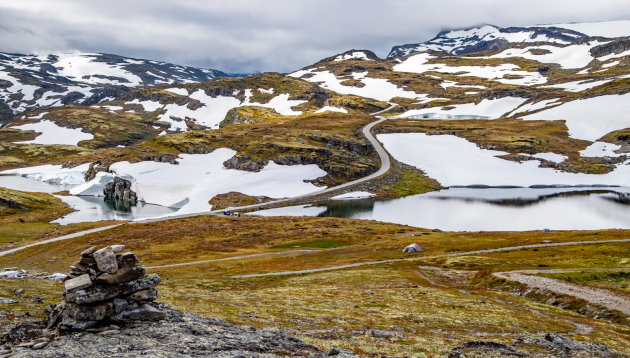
265,35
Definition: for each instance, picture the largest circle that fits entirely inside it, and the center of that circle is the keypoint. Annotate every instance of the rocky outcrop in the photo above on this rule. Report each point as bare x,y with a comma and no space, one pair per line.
105,286
120,189
96,167
244,162
545,345
248,115
178,334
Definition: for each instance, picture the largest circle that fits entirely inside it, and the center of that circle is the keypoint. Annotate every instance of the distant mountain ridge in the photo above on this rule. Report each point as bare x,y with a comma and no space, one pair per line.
488,37
33,81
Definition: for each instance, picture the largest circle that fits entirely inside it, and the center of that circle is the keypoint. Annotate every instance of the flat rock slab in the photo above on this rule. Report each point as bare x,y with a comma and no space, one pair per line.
88,252
101,293
106,260
120,276
77,283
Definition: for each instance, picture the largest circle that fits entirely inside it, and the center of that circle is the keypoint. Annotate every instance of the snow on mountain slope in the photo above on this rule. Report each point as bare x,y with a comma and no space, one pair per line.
51,133
505,73
487,37
452,160
33,81
590,118
619,28
376,88
569,57
486,109
213,109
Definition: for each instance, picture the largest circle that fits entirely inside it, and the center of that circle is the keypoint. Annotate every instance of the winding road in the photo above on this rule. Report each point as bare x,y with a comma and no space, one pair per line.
367,132
465,253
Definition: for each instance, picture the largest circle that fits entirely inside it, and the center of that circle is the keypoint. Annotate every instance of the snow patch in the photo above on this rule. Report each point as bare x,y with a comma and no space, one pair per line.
419,64
590,118
331,109
601,149
179,91
356,55
52,174
354,195
51,133
487,108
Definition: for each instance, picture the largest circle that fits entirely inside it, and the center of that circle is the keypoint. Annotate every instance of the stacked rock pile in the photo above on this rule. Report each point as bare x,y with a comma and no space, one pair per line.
105,286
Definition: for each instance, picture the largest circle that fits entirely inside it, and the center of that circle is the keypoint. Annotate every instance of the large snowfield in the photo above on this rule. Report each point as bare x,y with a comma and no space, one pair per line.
420,64
453,161
187,186
590,118
214,109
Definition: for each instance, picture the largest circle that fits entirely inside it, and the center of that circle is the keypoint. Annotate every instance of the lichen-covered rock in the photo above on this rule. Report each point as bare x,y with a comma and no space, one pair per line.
106,260
180,334
121,275
102,293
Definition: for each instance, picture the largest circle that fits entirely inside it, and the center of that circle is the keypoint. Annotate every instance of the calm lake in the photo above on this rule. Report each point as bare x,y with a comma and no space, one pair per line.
453,209
487,209
88,208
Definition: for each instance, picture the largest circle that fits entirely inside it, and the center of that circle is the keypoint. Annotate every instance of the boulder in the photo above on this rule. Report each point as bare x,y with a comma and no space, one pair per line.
77,283
120,276
106,260
120,189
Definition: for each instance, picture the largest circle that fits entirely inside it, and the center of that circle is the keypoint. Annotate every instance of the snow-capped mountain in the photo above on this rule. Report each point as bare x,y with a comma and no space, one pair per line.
32,81
488,37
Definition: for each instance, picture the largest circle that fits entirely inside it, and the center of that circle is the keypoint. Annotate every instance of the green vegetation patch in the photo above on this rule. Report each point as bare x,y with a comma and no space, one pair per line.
315,244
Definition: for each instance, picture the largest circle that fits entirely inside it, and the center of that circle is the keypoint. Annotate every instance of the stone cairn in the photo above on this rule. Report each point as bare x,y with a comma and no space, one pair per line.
106,286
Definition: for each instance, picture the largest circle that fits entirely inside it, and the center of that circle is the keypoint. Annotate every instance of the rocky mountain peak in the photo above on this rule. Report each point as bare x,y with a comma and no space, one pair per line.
488,37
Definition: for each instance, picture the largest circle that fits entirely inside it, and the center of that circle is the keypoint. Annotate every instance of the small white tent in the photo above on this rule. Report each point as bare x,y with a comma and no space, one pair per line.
413,248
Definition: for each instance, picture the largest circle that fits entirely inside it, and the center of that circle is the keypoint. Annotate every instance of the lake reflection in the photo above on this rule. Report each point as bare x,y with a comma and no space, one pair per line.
490,209
87,208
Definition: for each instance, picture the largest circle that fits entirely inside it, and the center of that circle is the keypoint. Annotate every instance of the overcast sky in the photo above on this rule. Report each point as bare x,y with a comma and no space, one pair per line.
265,35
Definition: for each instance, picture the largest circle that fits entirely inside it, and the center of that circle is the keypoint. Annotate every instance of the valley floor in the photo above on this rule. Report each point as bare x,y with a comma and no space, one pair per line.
243,270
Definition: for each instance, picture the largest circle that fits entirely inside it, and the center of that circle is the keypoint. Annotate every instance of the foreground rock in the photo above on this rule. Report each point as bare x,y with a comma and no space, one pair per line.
106,286
177,334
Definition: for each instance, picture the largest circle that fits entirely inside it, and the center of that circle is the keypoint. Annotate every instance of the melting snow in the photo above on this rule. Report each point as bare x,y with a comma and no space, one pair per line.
354,195
149,106
51,133
199,177
568,57
578,86
489,108
52,174
455,161
331,109
418,64
376,88
179,91
590,118
356,55
601,149
81,67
